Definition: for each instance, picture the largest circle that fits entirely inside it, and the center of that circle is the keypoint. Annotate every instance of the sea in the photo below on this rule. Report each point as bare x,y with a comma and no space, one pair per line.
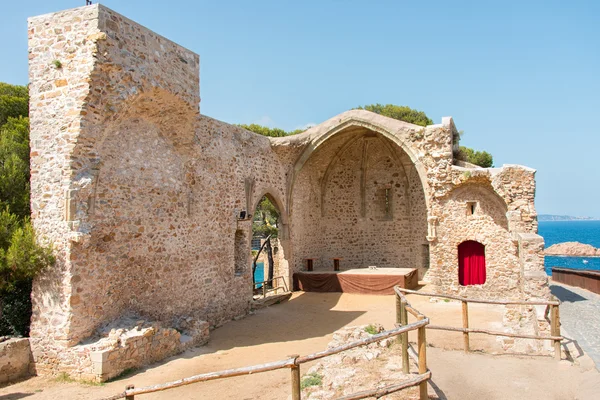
259,274
583,231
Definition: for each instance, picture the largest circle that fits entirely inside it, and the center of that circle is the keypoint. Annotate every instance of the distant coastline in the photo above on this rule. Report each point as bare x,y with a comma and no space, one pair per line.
551,217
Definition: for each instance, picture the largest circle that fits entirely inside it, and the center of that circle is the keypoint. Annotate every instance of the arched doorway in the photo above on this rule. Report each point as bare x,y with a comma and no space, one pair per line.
269,266
471,263
358,196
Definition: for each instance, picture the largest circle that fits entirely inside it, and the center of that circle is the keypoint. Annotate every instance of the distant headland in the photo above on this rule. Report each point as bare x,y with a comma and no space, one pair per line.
572,249
551,217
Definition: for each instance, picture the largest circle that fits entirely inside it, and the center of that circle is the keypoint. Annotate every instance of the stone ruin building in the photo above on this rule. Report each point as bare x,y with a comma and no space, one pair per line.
140,195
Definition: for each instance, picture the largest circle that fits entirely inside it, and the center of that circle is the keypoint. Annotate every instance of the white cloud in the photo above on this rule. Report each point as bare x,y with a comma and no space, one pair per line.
265,121
305,126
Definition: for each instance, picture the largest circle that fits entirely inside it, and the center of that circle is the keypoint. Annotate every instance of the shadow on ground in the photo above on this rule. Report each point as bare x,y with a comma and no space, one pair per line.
15,396
293,322
565,294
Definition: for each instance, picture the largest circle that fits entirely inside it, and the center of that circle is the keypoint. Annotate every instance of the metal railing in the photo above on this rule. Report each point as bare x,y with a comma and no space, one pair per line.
271,286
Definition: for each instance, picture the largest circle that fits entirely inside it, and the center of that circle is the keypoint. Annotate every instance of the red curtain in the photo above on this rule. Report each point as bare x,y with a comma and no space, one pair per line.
471,263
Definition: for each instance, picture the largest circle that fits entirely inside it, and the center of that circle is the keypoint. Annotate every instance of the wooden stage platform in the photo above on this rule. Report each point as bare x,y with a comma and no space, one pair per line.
359,280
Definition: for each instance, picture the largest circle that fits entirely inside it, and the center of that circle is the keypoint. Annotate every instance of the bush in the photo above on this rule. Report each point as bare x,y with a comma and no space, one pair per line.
313,379
15,314
21,259
481,158
402,113
371,329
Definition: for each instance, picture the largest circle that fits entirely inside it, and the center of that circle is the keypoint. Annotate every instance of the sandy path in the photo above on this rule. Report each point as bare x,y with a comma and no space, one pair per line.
304,325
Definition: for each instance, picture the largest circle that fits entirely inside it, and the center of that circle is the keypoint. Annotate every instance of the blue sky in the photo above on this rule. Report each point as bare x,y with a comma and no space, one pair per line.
522,78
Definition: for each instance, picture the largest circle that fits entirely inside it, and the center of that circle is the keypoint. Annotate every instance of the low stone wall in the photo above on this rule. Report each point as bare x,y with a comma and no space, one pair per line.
15,358
131,344
126,343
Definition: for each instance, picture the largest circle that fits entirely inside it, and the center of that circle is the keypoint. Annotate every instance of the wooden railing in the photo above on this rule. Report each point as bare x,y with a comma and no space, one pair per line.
273,282
552,306
293,363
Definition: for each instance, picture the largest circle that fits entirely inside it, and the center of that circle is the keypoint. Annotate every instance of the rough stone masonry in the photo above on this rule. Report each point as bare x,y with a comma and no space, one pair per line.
140,196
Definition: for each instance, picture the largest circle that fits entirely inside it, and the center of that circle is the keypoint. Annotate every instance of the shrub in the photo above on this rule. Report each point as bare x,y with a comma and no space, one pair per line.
21,259
402,113
371,329
312,379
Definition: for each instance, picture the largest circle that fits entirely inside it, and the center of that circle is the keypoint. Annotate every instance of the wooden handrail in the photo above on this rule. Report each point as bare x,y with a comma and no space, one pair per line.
416,313
555,335
500,302
493,333
380,392
294,363
287,363
374,338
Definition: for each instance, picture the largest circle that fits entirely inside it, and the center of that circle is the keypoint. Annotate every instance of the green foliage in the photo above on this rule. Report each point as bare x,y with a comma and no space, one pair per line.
312,379
57,64
371,329
14,166
481,158
402,113
15,311
14,102
266,219
21,258
266,131
63,377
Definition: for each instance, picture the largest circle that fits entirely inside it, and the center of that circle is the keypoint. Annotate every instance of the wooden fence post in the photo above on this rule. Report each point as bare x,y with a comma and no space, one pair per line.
465,318
404,322
296,389
422,344
555,329
130,397
398,317
264,288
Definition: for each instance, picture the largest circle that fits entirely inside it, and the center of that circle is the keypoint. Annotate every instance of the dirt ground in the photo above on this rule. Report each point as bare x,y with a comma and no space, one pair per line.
305,324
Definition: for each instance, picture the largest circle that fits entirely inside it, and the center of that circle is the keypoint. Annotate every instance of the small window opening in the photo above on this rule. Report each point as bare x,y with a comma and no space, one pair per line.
471,207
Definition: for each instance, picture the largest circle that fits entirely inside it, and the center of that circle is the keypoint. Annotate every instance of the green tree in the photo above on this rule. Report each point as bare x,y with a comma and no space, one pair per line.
481,158
14,166
14,102
21,258
266,131
402,113
265,225
407,114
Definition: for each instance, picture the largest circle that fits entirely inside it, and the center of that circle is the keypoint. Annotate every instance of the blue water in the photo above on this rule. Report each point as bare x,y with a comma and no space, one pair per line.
587,232
259,274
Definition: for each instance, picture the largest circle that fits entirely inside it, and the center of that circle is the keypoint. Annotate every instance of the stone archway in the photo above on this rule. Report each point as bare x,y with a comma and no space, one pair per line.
357,195
280,245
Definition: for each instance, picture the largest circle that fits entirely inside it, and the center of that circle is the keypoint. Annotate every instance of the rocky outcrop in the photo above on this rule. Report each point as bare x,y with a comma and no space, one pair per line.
573,249
358,369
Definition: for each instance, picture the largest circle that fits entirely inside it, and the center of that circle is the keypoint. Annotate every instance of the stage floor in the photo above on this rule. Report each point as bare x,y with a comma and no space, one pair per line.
358,280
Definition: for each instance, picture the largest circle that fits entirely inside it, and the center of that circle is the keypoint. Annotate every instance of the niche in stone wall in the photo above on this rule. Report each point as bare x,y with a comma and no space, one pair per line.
240,252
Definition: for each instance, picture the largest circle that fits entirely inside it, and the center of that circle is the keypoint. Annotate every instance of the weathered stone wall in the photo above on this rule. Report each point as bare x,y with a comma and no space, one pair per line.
357,198
15,359
135,189
487,225
140,194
